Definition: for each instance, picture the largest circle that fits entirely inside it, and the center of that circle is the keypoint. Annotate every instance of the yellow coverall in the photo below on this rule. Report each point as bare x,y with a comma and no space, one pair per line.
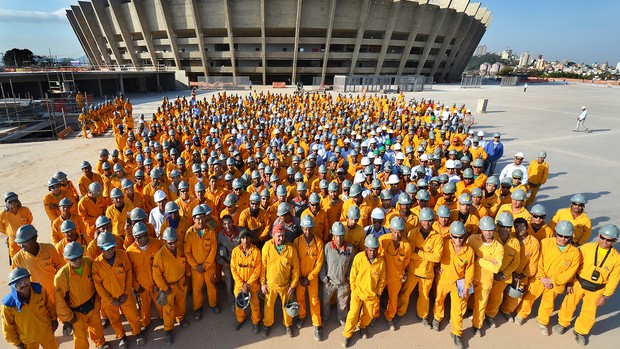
542,233
396,262
80,289
31,324
454,266
311,258
42,267
608,279
10,222
90,210
119,218
142,265
537,176
113,281
421,271
355,236
321,224
169,272
245,268
561,267
280,271
367,281
582,224
488,262
510,262
202,250
528,266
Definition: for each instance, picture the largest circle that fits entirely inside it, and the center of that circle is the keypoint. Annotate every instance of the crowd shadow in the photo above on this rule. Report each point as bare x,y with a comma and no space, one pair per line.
599,130
557,203
556,174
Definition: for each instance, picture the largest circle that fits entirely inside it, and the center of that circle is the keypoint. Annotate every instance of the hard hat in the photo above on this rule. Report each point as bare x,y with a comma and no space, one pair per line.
377,213
255,197
25,233
517,174
199,186
423,195
307,221
106,240
242,300
564,228
73,250
465,199
376,184
371,241
137,214
292,307
504,219
496,135
106,166
175,173
333,186
411,188
94,188
609,231
386,194
60,176
404,199
355,190
353,212
449,188
183,185
443,211
468,173
519,155
283,209
476,193
323,184
126,183
514,292
493,180
17,274
159,196
457,228
118,168
347,184
427,214
478,163
65,202
338,229
156,173
139,174
116,193
281,190
67,226
169,234
542,154
538,210
518,194
486,223
85,164
314,198
393,179
52,182
101,221
236,184
230,200
255,174
397,223
301,186
579,199
104,152
139,229
322,169
171,207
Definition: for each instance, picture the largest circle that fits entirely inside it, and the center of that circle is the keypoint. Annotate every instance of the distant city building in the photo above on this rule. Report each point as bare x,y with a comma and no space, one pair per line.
525,59
484,68
604,66
481,50
496,68
506,54
618,66
540,63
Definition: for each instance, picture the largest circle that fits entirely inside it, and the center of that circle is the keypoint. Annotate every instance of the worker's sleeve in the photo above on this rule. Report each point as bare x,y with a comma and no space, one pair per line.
433,250
191,261
382,279
545,175
213,251
612,282
51,308
158,274
129,277
469,271
532,266
98,280
61,288
256,271
353,275
514,264
295,270
324,266
234,265
264,258
9,328
587,231
489,265
318,264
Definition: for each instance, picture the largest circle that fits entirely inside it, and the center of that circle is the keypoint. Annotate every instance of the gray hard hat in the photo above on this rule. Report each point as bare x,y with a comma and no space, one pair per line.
449,188
423,195
386,194
169,234
610,231
468,173
65,202
355,190
371,241
538,210
94,188
504,219
518,194
411,188
443,211
67,226
106,240
427,214
565,228
199,186
283,209
307,221
116,193
255,197
457,228
230,200
517,173
465,199
314,198
397,223
16,275
137,214
52,182
579,199
126,183
301,186
101,221
338,229
281,190
25,233
73,250
487,223
353,212
404,199
542,154
139,229
493,180
171,207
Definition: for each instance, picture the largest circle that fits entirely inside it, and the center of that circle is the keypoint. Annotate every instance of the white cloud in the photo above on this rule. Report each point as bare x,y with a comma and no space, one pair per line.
57,17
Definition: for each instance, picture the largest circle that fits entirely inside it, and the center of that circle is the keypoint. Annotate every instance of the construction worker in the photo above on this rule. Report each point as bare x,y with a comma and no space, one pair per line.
455,277
171,275
77,303
538,228
227,240
88,177
51,199
254,218
367,280
113,277
66,214
41,259
279,277
596,281
510,262
158,213
538,172
69,231
575,214
354,233
489,254
84,121
174,219
91,206
141,255
309,248
245,267
12,217
321,222
396,252
526,270
118,212
426,250
338,257
200,250
28,316
557,266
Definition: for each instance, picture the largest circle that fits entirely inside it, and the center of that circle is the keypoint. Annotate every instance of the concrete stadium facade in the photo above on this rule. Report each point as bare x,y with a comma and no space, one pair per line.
283,40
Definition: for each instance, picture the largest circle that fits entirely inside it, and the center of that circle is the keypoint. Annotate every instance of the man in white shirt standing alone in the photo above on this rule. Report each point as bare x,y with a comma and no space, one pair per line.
581,119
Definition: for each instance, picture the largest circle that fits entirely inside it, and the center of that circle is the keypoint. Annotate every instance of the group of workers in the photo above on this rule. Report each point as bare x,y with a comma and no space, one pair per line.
315,199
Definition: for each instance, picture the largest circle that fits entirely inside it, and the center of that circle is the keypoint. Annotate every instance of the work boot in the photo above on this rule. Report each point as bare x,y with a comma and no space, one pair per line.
289,331
543,329
184,324
346,342
265,331
580,339
519,320
436,325
255,328
299,323
105,323
237,325
457,341
105,345
317,333
508,317
477,332
216,309
391,325
168,338
140,340
559,329
122,343
490,322
396,318
198,314
363,333
373,323
426,324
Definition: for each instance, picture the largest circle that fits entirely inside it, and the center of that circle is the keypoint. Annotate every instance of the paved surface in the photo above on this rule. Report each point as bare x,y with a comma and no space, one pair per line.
540,119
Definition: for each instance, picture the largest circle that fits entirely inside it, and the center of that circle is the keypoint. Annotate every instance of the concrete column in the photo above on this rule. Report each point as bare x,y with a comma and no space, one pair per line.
137,11
263,41
121,84
328,39
100,87
296,49
416,19
231,42
438,23
93,27
388,34
107,29
81,38
116,8
462,35
90,40
199,36
473,40
169,32
360,35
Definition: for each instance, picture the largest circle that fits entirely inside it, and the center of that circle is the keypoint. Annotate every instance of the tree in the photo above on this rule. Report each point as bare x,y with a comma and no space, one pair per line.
506,71
16,57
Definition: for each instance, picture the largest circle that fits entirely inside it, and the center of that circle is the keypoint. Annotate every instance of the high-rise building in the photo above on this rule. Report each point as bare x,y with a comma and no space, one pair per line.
604,66
481,50
540,63
506,54
525,59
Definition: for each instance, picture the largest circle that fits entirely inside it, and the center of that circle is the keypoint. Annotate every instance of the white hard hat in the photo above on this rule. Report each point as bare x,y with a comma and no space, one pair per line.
377,213
393,179
159,196
365,161
397,146
519,155
450,164
400,156
378,161
481,133
423,157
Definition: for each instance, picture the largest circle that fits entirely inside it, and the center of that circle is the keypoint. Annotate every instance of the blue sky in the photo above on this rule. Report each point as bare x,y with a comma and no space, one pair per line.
578,30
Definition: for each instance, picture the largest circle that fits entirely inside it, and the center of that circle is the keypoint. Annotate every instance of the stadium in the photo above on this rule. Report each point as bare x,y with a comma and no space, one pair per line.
282,40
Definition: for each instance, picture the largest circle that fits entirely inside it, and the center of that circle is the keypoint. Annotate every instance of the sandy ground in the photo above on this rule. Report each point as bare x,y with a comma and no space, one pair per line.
540,119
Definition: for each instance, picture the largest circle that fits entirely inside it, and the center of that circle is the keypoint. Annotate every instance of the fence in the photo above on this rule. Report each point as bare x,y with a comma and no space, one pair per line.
509,81
471,81
221,83
382,83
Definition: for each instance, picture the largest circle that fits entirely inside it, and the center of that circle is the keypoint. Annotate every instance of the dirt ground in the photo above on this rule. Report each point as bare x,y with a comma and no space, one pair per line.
540,119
